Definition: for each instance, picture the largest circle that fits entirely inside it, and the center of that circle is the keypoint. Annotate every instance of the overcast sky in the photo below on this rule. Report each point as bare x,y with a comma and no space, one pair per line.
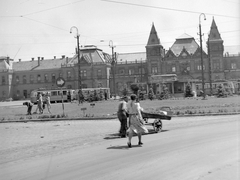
41,28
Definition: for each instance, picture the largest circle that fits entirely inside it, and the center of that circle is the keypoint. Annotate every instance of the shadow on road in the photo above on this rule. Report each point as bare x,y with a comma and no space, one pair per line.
116,135
112,136
123,147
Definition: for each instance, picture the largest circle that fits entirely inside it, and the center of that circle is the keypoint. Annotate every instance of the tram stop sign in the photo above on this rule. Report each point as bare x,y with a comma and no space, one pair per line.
60,82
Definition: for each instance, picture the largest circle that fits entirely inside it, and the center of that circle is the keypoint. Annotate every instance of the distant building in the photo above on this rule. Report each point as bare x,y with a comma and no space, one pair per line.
175,67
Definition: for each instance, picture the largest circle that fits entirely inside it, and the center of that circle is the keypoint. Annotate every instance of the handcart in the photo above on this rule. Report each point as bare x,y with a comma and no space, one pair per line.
164,113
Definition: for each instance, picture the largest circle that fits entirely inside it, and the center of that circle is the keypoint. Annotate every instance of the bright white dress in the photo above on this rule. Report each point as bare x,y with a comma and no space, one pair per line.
135,115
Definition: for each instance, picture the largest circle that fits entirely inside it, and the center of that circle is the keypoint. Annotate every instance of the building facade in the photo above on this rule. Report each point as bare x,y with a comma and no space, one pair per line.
175,67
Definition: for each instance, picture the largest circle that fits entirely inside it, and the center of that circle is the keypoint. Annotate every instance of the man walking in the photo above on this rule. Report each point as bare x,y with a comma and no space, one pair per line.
122,115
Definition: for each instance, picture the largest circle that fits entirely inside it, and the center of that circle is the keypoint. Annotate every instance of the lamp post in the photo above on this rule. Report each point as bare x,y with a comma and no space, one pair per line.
113,65
200,34
78,52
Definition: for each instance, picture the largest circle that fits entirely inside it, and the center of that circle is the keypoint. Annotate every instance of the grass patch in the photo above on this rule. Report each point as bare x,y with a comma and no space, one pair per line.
109,108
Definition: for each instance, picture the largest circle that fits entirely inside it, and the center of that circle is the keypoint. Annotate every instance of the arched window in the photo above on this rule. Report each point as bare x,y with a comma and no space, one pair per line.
45,78
24,79
17,79
38,78
31,78
53,78
69,75
3,80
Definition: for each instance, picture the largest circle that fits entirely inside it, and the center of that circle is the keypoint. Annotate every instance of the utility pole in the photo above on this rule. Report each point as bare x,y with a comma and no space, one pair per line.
200,34
78,52
113,66
210,67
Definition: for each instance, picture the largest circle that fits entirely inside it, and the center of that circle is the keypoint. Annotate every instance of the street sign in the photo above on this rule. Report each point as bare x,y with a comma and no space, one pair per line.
60,82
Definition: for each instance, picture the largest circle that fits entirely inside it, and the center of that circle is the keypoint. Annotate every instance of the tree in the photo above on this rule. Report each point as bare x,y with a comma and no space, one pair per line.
165,93
150,93
188,91
124,92
134,87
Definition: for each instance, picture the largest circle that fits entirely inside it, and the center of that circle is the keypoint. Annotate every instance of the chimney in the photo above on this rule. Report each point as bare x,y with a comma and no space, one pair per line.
42,58
38,61
54,57
63,56
67,59
32,59
19,60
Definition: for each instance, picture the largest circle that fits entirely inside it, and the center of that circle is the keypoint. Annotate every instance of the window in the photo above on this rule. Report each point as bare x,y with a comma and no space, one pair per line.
3,94
31,78
233,66
17,79
173,69
154,69
216,65
83,73
131,71
69,75
24,79
3,80
197,87
60,74
141,71
99,73
122,71
25,95
54,93
45,78
199,67
18,93
38,78
53,78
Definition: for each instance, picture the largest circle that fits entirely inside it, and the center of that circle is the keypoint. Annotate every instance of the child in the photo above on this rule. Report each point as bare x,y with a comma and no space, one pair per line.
29,105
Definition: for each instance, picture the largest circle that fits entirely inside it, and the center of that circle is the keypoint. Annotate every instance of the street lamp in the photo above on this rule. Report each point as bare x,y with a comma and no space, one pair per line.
113,65
200,34
78,52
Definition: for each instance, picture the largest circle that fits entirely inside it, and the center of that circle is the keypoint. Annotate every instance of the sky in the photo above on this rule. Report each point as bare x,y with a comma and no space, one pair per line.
41,28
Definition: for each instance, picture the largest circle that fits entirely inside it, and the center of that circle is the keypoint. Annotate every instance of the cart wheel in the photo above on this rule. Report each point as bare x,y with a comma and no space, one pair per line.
157,125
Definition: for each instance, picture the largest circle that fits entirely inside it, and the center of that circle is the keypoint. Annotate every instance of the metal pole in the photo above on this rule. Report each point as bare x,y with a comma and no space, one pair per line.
200,34
79,68
210,67
113,66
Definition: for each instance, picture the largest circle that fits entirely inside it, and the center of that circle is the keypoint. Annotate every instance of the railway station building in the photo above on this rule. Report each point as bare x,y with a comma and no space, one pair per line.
175,67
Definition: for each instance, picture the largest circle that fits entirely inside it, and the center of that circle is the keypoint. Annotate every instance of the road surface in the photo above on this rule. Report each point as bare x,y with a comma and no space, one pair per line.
193,148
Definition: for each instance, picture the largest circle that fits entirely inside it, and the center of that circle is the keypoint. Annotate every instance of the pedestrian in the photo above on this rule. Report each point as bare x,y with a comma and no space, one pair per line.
40,103
69,98
105,95
135,122
80,97
29,107
122,116
48,102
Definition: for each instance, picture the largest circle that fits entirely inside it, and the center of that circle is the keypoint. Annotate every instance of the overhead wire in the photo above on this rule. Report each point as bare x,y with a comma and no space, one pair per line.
56,7
169,9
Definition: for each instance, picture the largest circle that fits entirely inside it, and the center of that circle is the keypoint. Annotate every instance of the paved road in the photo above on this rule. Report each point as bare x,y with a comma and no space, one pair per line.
199,148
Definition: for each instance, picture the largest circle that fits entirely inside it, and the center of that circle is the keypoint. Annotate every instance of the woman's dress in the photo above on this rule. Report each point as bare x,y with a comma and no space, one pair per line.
135,118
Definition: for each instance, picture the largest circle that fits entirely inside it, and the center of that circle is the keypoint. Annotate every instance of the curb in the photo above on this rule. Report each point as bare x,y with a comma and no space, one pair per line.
107,118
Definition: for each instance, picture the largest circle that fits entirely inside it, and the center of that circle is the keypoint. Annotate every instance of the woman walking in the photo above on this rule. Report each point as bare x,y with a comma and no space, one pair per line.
40,103
48,102
135,121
